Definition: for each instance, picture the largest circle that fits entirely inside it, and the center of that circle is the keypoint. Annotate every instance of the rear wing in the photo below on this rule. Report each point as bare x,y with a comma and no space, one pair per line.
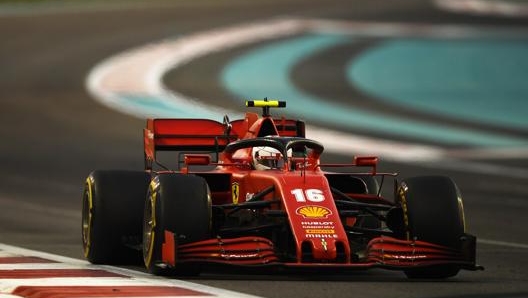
184,135
282,127
291,128
209,136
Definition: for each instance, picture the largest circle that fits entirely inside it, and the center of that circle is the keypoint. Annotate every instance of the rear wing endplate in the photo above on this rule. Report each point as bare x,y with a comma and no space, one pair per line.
184,135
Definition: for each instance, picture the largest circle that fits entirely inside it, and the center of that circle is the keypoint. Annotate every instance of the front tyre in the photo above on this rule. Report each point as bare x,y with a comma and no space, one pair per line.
112,216
432,212
180,204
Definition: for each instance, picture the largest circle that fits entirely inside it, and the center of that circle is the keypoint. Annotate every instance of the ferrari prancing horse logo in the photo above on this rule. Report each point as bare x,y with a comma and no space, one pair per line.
235,191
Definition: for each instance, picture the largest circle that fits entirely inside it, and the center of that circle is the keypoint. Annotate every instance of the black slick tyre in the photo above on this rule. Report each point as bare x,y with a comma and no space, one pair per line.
433,212
112,216
372,184
180,204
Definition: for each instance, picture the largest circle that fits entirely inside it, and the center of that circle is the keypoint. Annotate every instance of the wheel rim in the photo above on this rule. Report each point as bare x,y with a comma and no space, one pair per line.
87,217
402,193
149,225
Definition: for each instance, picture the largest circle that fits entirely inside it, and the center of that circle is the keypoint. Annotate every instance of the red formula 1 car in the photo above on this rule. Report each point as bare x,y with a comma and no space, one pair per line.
253,193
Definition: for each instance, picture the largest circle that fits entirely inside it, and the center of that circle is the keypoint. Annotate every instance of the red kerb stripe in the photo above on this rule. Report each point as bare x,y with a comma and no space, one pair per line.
23,260
48,273
103,291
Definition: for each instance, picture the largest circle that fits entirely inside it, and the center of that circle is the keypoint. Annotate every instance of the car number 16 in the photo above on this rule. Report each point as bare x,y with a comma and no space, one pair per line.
311,195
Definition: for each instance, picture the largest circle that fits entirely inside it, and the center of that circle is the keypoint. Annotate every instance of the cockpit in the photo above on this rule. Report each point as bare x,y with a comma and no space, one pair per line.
274,152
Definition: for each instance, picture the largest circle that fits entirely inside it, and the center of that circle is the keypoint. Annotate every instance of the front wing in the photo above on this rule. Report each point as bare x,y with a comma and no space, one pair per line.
381,252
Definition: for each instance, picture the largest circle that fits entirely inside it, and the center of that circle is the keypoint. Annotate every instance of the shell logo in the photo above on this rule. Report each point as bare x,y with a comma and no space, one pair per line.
313,211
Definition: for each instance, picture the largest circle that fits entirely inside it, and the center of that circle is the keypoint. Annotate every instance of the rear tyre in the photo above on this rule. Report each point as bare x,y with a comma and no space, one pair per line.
367,220
372,184
433,212
180,204
112,216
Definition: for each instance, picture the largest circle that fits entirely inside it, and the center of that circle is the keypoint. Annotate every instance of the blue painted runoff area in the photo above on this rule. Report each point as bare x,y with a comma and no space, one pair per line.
485,81
265,72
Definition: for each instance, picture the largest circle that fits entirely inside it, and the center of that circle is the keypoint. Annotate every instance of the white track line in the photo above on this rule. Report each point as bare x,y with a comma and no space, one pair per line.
486,153
485,7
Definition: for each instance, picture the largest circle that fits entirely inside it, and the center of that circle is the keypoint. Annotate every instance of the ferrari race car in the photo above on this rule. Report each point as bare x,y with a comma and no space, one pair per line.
253,193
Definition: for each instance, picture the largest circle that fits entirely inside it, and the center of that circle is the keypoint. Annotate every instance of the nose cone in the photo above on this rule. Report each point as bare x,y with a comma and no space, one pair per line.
323,249
322,241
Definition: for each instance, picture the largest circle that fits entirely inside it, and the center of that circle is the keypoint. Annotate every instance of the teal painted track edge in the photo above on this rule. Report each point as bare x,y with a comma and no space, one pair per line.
482,80
265,72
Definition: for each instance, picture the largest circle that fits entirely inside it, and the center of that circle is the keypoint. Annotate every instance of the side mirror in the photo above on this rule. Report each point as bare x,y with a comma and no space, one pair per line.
366,161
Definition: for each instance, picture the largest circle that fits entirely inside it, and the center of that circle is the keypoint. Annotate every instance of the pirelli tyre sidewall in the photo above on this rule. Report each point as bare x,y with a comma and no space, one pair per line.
178,203
112,216
432,211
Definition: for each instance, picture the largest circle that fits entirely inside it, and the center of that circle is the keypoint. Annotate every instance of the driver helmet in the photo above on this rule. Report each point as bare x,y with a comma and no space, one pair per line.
265,158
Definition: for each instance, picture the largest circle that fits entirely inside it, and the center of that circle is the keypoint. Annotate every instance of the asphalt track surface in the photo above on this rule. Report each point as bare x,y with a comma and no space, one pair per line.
53,134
